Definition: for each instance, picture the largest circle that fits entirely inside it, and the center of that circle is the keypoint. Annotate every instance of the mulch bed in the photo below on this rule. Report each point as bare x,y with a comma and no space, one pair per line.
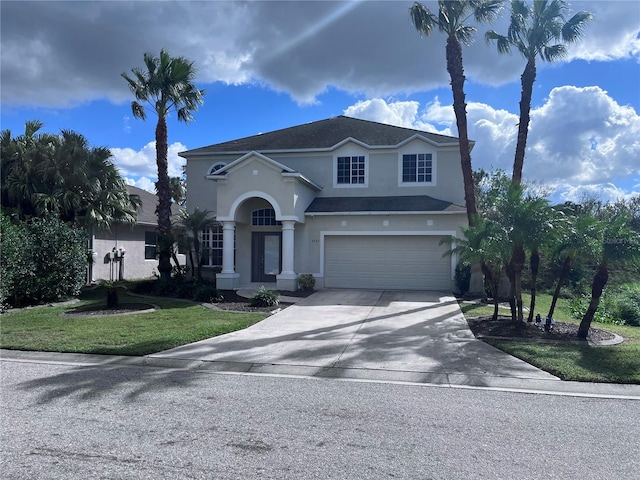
503,327
235,303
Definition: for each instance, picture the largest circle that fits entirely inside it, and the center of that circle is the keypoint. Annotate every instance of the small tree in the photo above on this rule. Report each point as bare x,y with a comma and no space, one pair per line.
194,223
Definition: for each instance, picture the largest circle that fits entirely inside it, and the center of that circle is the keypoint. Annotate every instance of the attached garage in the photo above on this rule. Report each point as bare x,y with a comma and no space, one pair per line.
406,262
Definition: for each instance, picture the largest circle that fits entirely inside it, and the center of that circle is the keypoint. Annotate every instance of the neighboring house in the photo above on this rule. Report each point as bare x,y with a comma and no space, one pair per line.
358,204
126,252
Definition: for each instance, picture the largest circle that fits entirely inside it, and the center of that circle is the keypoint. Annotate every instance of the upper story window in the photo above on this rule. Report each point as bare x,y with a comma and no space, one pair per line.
417,168
264,217
215,167
351,170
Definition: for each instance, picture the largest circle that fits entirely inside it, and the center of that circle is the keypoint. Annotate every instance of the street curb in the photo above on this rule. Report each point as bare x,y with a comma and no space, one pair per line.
434,378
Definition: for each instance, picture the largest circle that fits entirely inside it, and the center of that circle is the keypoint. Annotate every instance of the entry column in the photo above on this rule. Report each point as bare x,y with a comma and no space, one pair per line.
228,279
287,278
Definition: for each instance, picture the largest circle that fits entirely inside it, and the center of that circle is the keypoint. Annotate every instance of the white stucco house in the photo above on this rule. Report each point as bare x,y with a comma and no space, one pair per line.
126,252
358,204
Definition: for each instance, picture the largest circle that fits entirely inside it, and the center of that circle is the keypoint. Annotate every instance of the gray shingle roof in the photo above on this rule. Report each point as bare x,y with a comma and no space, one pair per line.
147,211
421,203
323,134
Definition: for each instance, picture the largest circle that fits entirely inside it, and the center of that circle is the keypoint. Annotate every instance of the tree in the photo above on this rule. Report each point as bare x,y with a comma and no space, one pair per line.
451,19
63,176
194,223
618,244
483,244
534,31
165,85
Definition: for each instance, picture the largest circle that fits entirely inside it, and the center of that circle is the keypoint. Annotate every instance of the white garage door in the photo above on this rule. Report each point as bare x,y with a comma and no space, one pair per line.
394,262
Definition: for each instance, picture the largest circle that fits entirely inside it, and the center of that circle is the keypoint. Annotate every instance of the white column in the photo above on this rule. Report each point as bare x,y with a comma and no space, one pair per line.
287,247
228,230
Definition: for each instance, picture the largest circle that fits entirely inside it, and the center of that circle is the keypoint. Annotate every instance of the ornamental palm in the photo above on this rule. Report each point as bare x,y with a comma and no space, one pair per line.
451,19
194,223
537,31
165,85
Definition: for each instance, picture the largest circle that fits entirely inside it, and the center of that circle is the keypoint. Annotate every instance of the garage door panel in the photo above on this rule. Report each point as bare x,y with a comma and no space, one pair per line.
399,262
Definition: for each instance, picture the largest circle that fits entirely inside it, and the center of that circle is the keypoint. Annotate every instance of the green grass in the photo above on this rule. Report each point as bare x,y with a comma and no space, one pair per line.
613,364
176,323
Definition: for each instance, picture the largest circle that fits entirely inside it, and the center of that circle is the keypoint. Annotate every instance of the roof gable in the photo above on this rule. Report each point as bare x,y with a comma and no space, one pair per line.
325,135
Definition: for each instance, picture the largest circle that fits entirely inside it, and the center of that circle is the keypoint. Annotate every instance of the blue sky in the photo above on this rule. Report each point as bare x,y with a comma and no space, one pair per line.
271,65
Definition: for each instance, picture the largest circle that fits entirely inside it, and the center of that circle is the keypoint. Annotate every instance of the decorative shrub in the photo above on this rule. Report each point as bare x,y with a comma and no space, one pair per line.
265,298
462,277
43,260
207,293
306,282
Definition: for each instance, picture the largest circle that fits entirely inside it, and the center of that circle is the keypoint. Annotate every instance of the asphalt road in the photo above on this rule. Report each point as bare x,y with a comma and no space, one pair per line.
117,422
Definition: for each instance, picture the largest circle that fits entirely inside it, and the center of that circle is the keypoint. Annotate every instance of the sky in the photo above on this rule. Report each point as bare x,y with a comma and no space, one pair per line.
268,65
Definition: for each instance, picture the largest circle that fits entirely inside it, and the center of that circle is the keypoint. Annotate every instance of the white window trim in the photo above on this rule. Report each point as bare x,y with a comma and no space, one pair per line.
351,185
434,170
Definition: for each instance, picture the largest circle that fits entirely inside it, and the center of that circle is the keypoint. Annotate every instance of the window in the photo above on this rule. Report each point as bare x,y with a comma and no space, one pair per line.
264,217
215,167
211,246
351,170
417,168
150,245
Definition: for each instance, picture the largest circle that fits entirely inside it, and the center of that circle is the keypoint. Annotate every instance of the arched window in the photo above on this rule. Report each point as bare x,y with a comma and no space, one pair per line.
215,167
264,217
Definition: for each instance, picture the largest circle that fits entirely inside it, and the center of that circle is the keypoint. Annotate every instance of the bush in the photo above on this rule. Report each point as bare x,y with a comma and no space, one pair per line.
462,277
306,282
265,298
627,305
207,293
48,263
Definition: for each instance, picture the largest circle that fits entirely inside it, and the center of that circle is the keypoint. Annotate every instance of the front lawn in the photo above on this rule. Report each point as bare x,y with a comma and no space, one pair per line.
614,364
175,323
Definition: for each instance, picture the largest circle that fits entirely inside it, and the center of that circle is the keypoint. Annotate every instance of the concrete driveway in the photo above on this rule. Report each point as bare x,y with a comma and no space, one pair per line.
412,336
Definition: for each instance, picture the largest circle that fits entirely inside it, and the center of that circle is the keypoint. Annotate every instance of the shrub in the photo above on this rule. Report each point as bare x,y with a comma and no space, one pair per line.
265,298
207,293
49,262
627,306
306,282
462,277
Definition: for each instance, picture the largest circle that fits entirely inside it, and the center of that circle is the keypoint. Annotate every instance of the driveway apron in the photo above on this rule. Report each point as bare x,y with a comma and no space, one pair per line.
363,333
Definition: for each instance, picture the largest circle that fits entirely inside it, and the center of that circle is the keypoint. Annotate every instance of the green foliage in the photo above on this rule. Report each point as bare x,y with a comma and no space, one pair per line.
207,293
462,277
265,298
615,308
49,262
306,282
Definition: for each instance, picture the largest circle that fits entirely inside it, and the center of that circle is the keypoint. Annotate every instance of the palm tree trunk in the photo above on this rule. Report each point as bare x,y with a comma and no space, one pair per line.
564,273
493,285
535,265
527,79
163,210
456,72
599,281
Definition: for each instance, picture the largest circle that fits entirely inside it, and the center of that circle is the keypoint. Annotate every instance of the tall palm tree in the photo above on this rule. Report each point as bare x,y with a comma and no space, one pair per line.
451,19
194,223
536,31
165,85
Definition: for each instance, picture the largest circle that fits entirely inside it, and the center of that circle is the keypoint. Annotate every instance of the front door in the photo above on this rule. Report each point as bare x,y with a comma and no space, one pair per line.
266,258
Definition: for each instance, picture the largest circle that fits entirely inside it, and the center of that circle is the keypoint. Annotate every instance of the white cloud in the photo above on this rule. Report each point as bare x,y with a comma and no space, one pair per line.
142,163
144,183
580,139
301,48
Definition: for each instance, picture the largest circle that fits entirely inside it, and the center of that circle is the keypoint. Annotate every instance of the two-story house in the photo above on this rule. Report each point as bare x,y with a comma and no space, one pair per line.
358,204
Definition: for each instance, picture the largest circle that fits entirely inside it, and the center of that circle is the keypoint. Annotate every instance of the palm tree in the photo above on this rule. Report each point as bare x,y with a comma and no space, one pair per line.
576,235
165,85
538,31
483,244
194,223
618,244
62,175
451,19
